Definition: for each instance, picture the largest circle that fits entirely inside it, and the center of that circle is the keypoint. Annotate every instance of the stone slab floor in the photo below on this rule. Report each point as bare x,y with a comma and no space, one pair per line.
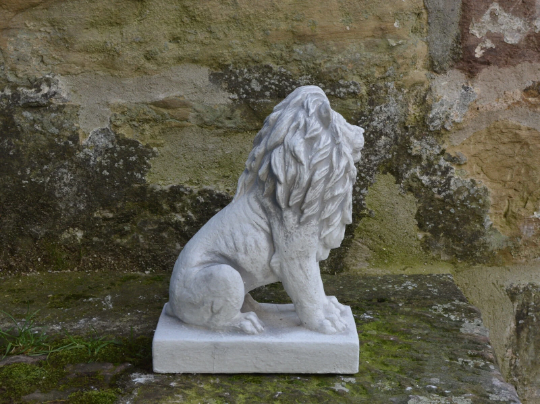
421,342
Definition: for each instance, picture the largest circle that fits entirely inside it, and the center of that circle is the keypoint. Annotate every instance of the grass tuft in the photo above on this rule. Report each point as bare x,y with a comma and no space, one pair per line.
24,338
92,344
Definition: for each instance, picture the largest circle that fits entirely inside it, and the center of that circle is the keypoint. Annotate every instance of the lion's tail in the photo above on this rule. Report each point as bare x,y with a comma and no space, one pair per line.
169,310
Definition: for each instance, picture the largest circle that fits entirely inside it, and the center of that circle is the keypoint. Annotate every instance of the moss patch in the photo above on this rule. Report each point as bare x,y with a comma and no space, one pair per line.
109,303
84,374
94,397
388,237
412,329
21,379
69,204
201,157
411,345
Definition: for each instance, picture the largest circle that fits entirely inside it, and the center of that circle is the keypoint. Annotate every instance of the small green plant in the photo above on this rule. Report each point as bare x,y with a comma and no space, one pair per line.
25,338
93,344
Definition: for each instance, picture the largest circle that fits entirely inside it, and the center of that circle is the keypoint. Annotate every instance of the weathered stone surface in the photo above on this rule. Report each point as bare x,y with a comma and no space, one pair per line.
508,299
524,343
452,97
451,210
500,33
398,245
192,83
64,200
99,94
443,35
421,342
501,94
106,36
148,124
489,111
192,101
514,184
496,135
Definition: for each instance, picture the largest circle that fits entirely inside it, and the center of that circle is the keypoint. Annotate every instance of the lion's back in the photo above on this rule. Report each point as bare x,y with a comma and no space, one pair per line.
236,235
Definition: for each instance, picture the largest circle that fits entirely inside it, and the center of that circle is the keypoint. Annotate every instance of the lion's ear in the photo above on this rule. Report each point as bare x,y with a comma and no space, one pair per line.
325,114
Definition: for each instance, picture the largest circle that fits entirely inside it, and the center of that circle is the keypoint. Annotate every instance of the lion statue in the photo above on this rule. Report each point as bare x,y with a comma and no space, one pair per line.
293,202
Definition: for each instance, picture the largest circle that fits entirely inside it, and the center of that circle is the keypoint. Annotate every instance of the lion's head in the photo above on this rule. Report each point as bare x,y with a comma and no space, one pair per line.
303,159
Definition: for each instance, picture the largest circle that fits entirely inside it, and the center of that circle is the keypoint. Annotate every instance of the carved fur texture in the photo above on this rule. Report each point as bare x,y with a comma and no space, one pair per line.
303,159
293,202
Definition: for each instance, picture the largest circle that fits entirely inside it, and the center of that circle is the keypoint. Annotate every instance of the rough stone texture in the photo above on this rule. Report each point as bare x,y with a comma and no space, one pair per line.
508,299
398,245
451,210
506,93
452,97
64,201
125,37
421,342
443,37
489,108
496,137
190,84
525,341
514,185
500,33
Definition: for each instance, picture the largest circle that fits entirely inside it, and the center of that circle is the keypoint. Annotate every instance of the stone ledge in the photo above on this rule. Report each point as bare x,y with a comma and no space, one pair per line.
421,341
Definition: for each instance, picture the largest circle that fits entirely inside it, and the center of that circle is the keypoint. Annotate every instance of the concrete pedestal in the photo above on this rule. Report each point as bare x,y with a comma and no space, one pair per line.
284,346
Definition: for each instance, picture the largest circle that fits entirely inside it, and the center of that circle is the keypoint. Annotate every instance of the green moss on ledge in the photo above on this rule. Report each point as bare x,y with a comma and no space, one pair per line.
419,339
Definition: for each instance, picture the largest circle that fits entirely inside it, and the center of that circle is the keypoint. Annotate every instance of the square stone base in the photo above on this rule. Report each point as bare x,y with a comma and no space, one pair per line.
283,347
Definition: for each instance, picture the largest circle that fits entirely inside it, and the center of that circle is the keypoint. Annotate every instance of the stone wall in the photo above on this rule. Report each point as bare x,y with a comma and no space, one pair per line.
125,124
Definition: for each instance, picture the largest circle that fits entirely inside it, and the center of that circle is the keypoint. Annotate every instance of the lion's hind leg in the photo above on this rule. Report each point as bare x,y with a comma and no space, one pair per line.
250,304
213,298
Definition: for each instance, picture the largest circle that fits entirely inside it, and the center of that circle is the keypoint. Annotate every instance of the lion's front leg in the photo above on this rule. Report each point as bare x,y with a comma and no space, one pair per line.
302,281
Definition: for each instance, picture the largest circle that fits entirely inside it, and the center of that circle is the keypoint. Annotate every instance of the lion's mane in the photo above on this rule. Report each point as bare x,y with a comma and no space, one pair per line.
301,160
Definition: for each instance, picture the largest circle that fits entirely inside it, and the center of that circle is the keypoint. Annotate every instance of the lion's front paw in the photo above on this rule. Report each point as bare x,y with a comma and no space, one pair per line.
329,325
337,324
327,321
333,311
334,306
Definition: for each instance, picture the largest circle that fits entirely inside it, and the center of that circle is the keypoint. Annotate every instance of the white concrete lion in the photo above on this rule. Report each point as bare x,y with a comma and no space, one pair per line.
292,204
